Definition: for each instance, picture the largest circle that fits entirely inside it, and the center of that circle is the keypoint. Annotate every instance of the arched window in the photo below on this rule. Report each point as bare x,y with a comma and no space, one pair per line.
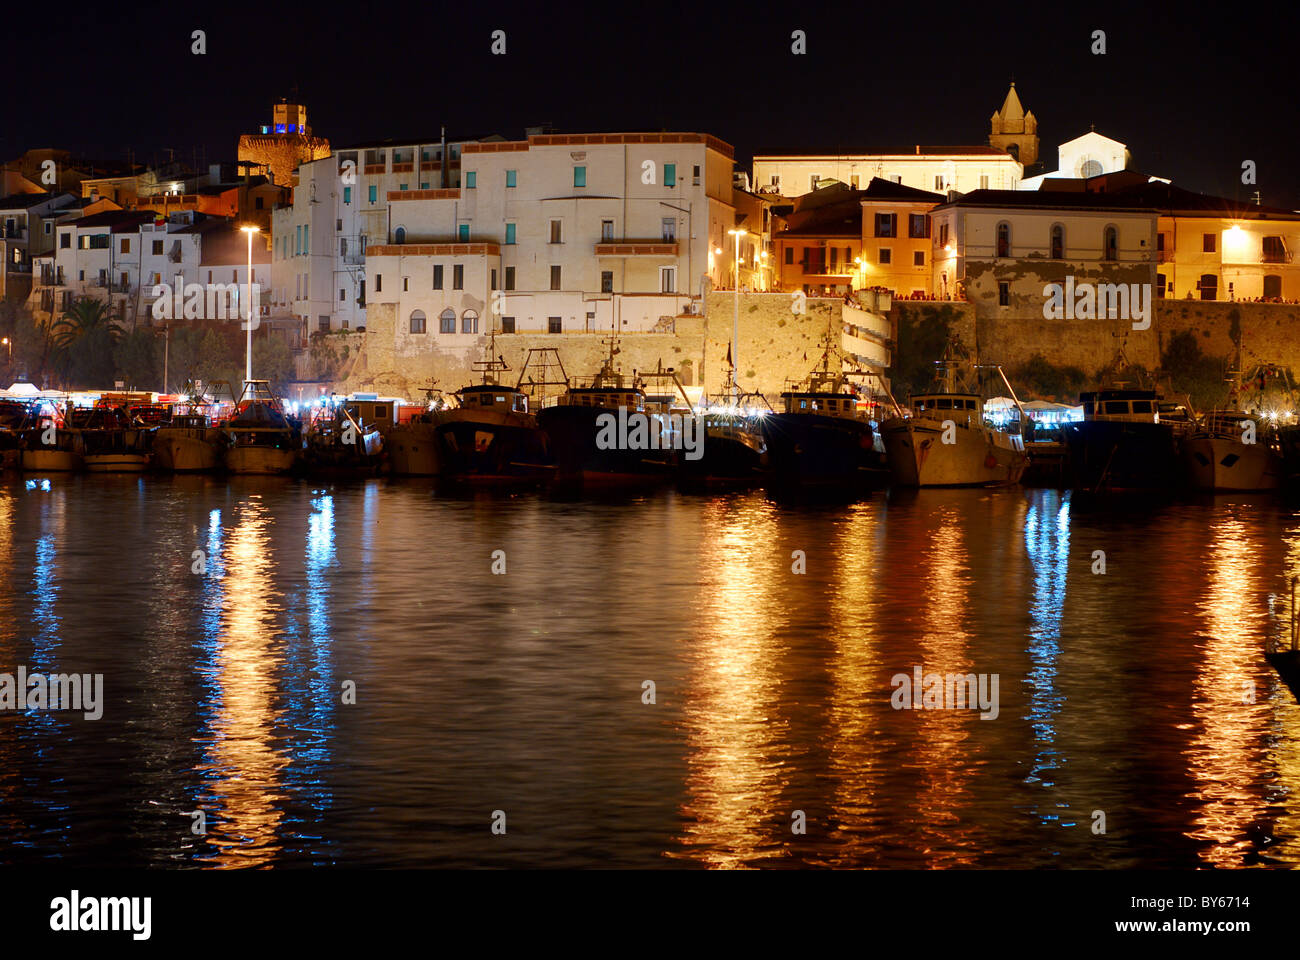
1004,239
1058,242
417,321
1090,168
1209,286
399,235
1110,244
447,321
469,322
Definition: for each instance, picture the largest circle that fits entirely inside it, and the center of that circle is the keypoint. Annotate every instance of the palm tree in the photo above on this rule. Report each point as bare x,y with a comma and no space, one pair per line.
84,316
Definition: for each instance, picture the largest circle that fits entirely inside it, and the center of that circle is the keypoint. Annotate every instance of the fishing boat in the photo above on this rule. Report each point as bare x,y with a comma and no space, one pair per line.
412,447
340,444
824,435
14,416
1230,450
47,445
945,439
603,436
1126,441
191,441
490,438
261,438
110,439
734,452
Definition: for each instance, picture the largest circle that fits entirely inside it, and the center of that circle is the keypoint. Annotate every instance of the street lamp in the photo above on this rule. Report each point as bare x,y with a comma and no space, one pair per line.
6,342
248,356
735,316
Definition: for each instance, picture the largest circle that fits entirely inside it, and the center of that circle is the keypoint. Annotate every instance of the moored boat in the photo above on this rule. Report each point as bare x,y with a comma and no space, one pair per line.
341,445
1123,443
261,439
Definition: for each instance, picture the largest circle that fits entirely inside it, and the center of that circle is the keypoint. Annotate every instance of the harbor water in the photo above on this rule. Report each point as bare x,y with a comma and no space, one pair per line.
376,674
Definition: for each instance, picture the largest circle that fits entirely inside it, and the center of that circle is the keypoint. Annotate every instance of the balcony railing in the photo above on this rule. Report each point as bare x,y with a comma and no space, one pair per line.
15,233
637,248
1275,256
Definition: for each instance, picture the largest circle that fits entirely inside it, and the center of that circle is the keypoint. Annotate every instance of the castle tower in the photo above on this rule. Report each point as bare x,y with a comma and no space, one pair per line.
1014,130
284,143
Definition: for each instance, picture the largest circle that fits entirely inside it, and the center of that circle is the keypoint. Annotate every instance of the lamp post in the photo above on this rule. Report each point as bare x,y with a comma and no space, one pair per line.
10,345
735,315
248,356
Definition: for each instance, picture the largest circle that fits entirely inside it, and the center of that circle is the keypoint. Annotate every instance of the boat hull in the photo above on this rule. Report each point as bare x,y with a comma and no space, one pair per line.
571,433
259,460
51,461
1122,455
413,450
187,451
977,457
116,462
731,456
492,448
812,450
1226,464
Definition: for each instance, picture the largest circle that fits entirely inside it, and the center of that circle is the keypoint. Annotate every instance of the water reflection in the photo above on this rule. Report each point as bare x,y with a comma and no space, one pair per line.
1047,541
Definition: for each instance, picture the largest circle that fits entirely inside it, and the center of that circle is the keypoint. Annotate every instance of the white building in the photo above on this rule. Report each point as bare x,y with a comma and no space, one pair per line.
1090,155
937,169
578,233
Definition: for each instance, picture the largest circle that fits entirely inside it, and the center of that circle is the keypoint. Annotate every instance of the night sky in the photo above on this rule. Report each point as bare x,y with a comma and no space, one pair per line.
1192,97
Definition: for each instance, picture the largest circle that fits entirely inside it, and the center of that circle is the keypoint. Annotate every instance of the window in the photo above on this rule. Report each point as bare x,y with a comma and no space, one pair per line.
323,323
157,248
1058,242
126,245
379,283
463,233
343,246
886,224
1161,280
1207,242
399,235
306,244
1004,293
417,321
424,184
814,260
918,226
789,255
374,193
607,231
65,241
667,279
943,234
607,281
555,231
511,178
447,321
555,278
507,324
1004,239
1110,244
347,194
885,255
469,322
695,175
406,284
670,174
401,186
437,276
458,276
1274,250
553,325
1209,285
918,258
853,181
510,233
492,285
1272,286
343,295
471,179
579,176
938,182
984,181
669,228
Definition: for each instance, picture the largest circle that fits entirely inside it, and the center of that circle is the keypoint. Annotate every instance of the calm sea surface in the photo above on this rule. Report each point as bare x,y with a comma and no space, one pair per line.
1141,693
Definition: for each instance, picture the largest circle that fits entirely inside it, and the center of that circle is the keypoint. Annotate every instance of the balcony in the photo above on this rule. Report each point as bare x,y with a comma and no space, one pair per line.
372,169
403,167
15,233
637,248
1275,256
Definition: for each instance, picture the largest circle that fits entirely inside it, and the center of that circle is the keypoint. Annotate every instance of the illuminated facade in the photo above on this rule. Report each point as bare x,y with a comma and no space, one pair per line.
283,144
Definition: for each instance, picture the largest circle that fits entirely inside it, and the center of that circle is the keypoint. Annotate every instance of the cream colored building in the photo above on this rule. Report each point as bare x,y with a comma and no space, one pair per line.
577,233
935,169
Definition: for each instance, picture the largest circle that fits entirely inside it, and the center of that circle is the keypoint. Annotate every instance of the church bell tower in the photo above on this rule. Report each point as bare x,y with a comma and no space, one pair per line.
1015,130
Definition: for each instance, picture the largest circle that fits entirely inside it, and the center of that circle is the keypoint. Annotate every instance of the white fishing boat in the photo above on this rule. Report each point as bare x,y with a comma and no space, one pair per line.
944,439
1229,450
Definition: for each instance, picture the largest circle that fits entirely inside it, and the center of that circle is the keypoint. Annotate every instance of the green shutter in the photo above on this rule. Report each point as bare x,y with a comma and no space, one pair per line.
347,194
670,174
374,193
471,179
464,231
510,233
579,176
510,178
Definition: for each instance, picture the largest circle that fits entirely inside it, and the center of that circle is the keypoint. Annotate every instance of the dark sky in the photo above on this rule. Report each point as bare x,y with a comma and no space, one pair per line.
1192,96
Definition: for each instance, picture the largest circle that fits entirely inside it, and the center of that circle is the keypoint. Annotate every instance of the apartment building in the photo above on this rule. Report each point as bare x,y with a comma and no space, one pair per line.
576,233
935,169
27,230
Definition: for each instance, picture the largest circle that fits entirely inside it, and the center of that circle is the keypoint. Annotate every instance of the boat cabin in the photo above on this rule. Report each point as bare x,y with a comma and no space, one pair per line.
610,398
962,408
1133,406
493,396
370,409
826,404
